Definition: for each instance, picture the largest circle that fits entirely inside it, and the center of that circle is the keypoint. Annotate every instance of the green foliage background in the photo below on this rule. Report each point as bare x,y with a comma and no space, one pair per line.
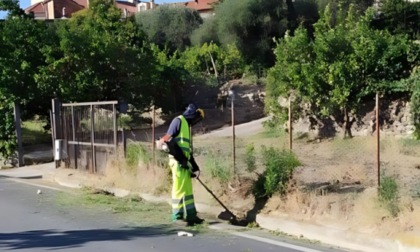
333,55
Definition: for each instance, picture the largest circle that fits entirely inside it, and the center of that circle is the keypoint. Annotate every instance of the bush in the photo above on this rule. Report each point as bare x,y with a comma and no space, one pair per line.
279,168
388,194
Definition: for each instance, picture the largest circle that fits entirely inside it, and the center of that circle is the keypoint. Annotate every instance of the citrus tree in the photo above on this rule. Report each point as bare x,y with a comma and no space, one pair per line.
341,68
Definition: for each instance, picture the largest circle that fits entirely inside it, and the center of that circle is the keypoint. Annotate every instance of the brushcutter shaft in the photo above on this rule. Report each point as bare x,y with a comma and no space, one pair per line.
215,197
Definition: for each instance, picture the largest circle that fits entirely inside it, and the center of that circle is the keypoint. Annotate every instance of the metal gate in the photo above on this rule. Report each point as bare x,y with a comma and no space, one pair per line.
85,134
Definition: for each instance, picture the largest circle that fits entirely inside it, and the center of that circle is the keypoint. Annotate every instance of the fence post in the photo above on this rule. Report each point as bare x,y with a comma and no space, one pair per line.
378,147
18,130
56,124
232,107
153,136
73,123
115,126
92,138
290,125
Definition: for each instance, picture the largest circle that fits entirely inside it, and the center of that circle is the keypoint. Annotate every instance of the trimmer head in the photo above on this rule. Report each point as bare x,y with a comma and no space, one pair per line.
229,216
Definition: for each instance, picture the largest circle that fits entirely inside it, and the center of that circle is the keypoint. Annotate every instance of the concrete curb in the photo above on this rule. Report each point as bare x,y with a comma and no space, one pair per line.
402,242
335,236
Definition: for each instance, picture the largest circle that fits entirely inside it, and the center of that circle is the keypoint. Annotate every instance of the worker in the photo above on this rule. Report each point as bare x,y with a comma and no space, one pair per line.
183,165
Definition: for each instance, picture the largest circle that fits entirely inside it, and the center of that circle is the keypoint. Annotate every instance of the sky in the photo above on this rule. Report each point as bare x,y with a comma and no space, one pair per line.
26,3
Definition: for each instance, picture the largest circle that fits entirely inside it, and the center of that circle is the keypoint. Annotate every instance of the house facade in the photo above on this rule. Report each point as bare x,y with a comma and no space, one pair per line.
61,9
204,7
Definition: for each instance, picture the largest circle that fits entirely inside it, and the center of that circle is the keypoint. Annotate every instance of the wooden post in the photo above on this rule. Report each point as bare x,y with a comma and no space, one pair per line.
114,119
73,127
56,124
232,106
92,138
18,130
153,135
290,125
378,146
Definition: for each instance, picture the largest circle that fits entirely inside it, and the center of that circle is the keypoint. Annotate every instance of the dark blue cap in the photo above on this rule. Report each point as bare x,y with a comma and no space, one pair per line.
190,112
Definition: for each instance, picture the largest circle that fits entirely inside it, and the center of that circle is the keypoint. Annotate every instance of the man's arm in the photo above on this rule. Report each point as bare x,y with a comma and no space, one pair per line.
174,149
173,130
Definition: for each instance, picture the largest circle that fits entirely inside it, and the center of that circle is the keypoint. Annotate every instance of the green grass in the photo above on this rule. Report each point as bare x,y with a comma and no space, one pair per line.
217,165
34,133
132,208
410,147
273,133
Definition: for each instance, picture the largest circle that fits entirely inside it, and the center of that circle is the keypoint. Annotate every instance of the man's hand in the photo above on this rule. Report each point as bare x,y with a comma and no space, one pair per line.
159,143
195,174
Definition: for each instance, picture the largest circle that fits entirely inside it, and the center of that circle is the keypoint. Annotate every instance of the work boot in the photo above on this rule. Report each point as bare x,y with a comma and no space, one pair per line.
180,222
194,221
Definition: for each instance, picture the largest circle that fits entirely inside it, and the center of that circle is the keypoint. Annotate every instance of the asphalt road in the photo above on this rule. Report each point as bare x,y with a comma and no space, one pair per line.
35,222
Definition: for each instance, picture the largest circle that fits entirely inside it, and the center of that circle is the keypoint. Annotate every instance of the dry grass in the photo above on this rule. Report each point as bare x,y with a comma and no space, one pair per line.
334,186
342,176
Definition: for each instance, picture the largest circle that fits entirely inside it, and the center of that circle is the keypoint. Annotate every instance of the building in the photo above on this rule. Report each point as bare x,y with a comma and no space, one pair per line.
204,7
59,9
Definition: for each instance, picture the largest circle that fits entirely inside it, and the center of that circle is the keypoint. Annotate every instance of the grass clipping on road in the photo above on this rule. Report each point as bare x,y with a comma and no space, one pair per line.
131,208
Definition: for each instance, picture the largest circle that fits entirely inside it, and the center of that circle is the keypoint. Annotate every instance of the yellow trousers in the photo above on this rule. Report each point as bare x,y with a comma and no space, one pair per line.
182,192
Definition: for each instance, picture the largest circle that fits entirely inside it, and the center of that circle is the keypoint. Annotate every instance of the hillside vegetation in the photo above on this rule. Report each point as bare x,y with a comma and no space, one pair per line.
332,55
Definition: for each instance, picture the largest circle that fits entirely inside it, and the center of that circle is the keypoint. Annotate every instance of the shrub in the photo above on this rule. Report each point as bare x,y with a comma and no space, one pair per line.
279,168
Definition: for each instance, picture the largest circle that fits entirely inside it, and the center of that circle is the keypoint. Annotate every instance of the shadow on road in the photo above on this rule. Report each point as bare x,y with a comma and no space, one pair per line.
51,238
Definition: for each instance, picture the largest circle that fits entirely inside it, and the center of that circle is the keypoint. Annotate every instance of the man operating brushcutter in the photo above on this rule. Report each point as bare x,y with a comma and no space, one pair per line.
178,143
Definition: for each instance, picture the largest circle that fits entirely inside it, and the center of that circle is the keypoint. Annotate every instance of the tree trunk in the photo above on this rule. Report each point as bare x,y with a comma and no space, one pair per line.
214,66
347,124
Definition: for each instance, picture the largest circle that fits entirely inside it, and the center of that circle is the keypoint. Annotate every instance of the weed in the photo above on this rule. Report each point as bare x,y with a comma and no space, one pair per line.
410,147
217,167
250,158
136,153
388,194
415,190
252,225
279,168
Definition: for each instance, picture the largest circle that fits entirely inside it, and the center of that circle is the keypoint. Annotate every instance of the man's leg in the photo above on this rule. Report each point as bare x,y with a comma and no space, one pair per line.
191,211
177,191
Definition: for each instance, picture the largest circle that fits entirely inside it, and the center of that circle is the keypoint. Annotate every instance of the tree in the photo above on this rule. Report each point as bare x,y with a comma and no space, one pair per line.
169,26
346,64
251,25
206,33
399,16
100,57
21,43
12,7
211,59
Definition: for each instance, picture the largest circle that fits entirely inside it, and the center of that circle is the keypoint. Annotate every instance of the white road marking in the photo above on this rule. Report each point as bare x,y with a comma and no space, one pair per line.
278,243
260,239
35,184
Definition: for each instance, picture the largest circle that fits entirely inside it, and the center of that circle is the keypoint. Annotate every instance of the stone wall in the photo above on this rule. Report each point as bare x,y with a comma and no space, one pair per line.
395,119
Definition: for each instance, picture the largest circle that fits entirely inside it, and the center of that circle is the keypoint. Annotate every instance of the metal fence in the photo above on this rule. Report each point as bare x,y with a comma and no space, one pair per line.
86,134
